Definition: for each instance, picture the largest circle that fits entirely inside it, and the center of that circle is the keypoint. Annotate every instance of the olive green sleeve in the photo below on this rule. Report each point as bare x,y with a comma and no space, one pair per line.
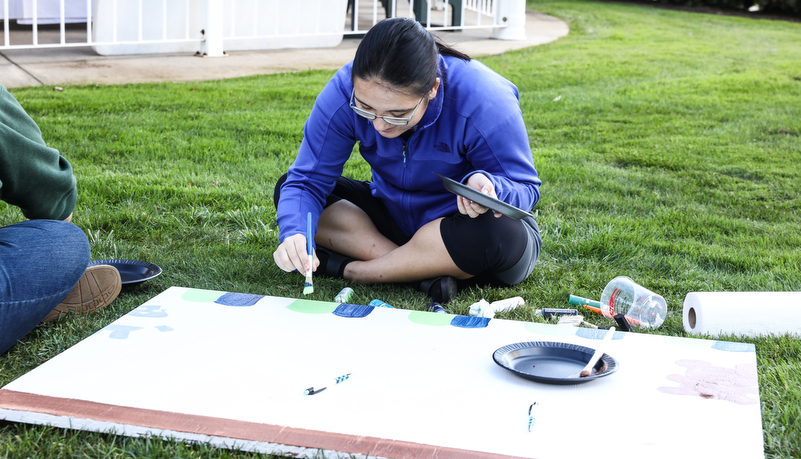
33,177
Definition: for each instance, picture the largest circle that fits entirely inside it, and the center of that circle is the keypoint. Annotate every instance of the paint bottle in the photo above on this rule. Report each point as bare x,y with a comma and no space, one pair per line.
507,304
482,309
488,310
436,307
640,306
344,295
380,304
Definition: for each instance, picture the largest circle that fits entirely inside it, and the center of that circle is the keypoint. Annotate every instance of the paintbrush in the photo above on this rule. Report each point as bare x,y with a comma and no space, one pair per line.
587,371
308,287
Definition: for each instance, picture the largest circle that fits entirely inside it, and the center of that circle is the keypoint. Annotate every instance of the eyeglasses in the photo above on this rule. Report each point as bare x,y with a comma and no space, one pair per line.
388,119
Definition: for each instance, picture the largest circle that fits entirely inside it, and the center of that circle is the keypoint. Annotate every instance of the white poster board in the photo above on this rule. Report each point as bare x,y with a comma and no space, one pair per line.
231,369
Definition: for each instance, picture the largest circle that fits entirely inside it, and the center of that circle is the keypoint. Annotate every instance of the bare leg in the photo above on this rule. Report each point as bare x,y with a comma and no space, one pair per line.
346,229
423,257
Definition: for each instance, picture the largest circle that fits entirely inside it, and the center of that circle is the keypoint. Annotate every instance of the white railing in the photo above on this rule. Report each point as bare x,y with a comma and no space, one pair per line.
30,13
211,26
434,14
36,21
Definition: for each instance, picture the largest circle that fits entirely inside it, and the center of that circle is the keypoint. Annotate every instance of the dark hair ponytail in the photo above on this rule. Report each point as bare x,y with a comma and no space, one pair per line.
401,53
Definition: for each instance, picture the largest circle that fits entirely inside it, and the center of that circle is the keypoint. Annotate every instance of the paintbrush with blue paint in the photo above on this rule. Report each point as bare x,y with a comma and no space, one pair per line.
308,287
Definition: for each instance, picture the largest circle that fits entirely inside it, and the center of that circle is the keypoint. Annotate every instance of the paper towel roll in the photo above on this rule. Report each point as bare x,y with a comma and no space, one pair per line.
742,313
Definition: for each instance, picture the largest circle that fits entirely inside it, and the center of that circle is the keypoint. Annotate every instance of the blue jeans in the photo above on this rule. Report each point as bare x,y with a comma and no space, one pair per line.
40,262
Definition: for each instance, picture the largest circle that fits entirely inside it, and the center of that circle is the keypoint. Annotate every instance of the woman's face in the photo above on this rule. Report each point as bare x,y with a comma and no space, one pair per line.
379,98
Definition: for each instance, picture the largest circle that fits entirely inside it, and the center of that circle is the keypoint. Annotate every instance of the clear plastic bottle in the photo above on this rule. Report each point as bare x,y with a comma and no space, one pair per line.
640,306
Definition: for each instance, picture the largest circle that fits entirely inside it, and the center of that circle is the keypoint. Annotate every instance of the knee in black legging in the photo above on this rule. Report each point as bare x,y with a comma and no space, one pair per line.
484,244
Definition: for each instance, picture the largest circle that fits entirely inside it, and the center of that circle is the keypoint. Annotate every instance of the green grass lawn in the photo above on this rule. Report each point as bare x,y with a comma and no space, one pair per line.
669,144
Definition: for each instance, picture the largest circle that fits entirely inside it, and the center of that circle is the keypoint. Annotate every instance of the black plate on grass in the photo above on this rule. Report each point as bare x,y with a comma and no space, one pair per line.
481,198
552,363
132,272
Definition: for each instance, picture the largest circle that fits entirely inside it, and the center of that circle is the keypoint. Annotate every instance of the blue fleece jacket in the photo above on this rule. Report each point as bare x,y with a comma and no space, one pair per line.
473,125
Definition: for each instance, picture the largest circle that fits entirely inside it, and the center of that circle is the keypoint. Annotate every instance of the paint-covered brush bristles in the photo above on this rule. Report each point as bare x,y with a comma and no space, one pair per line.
308,287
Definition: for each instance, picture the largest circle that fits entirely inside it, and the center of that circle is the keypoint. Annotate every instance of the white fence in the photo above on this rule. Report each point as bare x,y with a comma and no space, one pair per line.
214,26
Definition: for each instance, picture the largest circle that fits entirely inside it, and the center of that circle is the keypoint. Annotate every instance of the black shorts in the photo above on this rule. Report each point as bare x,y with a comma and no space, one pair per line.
502,249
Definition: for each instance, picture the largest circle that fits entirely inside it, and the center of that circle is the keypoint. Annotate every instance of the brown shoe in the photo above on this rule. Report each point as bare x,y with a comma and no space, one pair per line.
96,289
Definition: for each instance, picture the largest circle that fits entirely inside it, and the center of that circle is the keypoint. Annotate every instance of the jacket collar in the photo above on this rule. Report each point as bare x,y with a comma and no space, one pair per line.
434,108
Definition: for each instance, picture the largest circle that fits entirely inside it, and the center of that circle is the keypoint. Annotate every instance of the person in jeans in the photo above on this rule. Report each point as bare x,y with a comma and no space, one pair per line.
416,108
43,259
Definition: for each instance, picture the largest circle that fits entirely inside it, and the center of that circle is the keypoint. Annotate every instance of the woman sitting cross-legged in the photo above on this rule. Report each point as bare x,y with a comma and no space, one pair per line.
417,108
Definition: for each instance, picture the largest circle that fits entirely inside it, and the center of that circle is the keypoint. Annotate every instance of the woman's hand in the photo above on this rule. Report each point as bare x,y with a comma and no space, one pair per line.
291,255
484,185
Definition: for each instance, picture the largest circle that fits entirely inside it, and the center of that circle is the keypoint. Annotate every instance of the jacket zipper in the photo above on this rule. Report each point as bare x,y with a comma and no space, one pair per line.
405,204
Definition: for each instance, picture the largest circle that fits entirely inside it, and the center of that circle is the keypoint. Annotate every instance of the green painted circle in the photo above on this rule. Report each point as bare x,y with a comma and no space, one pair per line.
313,307
430,318
201,296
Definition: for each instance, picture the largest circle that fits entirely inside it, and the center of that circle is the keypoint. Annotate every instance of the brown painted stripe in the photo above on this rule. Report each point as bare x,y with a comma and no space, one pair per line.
229,428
